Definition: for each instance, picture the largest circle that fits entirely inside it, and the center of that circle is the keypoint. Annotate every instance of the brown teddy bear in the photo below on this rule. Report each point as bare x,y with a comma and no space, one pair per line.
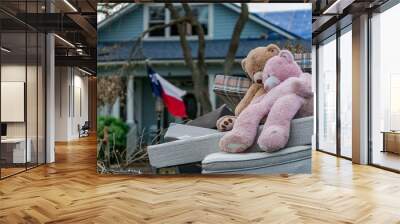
253,65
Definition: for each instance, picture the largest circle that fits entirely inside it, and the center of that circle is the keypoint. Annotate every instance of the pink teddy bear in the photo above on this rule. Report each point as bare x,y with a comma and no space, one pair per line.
288,93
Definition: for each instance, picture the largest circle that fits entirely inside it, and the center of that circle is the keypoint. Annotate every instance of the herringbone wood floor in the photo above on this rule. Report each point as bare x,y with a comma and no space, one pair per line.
70,191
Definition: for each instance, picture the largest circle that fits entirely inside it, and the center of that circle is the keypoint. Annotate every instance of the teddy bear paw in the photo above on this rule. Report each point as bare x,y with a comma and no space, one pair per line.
273,139
233,143
225,123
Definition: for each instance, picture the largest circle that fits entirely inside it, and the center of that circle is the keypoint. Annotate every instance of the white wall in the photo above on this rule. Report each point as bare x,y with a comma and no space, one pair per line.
17,73
34,125
61,105
79,117
70,83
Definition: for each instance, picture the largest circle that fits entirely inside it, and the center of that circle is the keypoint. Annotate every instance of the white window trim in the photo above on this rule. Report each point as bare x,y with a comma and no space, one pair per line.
145,18
211,20
167,20
168,36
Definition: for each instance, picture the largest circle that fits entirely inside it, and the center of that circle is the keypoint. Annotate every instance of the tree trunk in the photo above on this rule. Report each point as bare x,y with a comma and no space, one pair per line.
199,69
204,96
235,39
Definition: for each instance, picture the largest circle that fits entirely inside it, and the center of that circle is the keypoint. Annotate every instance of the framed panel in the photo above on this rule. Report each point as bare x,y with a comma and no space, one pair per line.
12,101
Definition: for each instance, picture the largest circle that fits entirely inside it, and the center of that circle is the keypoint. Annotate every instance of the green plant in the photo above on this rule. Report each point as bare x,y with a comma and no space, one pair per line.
117,131
114,145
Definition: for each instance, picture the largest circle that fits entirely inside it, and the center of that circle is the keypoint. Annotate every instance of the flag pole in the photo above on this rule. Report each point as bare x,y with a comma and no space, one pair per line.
159,108
167,96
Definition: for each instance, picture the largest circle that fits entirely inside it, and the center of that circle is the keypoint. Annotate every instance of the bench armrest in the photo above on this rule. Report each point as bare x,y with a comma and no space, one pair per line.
183,151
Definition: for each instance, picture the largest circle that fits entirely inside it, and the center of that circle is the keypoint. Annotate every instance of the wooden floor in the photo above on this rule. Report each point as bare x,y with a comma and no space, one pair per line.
386,159
70,191
5,172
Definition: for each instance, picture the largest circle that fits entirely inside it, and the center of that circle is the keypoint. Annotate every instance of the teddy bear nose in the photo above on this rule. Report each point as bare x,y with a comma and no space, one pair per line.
259,81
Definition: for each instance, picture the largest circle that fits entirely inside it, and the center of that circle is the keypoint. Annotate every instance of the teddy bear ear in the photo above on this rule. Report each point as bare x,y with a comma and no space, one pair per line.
272,48
244,64
287,55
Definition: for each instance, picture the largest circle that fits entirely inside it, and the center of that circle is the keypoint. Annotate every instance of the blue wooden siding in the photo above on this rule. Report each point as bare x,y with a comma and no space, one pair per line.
168,70
225,20
124,28
130,25
149,116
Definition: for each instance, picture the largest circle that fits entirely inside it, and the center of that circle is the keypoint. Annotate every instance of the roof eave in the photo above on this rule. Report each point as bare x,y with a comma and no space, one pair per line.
263,22
116,15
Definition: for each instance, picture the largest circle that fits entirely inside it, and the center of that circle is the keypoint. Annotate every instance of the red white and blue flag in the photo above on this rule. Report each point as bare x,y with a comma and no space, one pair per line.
170,94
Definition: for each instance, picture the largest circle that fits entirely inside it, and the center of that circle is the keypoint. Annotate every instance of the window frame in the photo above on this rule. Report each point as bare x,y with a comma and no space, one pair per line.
149,21
167,35
371,90
336,36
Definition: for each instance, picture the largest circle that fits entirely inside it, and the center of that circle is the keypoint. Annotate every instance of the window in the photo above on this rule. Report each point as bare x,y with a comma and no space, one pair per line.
346,73
22,78
385,89
327,96
394,101
335,94
158,15
201,13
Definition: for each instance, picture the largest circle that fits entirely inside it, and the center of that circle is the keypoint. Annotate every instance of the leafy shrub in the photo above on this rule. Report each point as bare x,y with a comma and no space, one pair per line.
117,131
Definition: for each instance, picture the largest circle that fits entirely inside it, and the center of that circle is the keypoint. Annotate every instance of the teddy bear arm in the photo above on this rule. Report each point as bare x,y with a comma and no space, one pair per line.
302,87
258,96
260,92
248,97
307,109
275,133
245,127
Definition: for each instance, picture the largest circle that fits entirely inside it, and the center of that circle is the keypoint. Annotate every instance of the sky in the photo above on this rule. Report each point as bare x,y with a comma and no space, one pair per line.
273,7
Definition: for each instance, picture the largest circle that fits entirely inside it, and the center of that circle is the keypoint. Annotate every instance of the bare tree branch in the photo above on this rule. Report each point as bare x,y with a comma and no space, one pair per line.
153,28
201,85
235,39
182,36
199,70
200,33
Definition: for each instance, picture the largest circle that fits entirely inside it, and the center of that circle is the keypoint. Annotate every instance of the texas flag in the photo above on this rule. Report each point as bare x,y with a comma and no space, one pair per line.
170,94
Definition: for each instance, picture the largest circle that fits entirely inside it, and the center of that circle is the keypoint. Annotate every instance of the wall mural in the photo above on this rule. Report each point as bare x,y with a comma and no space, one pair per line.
204,88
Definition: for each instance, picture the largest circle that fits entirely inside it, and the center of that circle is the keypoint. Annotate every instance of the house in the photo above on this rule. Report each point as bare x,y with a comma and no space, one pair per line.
118,33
